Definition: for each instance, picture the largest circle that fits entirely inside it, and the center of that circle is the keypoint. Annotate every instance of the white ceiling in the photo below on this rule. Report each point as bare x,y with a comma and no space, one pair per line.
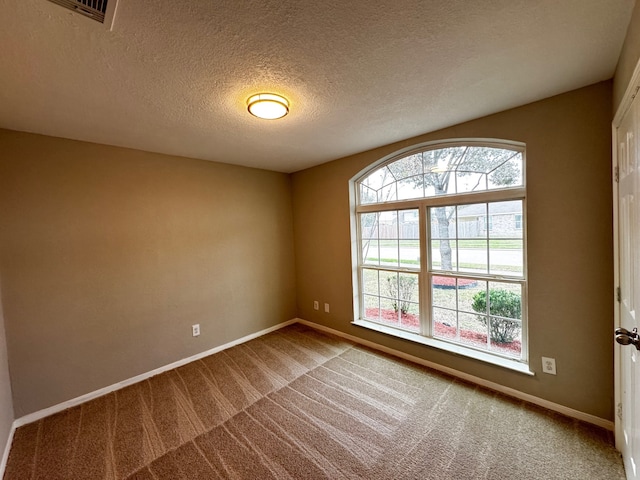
174,76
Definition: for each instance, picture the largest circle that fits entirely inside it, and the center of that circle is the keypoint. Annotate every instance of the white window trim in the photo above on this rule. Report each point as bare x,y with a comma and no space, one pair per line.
447,346
422,204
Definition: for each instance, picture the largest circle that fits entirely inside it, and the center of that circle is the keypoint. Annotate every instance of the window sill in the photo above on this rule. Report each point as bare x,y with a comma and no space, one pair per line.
447,347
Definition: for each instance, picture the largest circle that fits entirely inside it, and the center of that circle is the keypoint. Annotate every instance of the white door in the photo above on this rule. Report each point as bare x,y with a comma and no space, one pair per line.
628,199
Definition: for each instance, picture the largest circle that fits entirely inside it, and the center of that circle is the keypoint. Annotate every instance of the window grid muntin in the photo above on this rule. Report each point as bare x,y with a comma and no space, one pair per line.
457,311
516,150
517,192
382,297
425,301
400,225
457,238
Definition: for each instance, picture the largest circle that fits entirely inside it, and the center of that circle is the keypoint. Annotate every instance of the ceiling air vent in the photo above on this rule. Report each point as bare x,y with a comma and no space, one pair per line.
99,10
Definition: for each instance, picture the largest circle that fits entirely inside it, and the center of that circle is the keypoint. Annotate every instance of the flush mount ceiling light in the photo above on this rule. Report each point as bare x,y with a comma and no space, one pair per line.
268,106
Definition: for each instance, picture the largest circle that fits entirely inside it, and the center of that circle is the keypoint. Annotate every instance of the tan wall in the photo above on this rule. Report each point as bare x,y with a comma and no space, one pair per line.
628,58
6,402
570,246
109,255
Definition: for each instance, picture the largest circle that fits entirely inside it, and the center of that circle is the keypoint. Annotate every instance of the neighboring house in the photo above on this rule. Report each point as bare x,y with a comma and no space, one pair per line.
504,220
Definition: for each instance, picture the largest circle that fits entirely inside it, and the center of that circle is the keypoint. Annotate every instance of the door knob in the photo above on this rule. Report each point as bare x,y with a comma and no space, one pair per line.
626,337
624,331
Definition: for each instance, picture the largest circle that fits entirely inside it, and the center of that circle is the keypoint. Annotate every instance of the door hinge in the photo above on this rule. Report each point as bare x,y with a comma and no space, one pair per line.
619,411
616,174
618,294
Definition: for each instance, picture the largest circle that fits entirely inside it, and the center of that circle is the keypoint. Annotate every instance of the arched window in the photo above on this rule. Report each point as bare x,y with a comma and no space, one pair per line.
441,248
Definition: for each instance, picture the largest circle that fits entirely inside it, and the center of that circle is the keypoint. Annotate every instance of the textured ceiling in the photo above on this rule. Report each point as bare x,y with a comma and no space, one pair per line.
174,76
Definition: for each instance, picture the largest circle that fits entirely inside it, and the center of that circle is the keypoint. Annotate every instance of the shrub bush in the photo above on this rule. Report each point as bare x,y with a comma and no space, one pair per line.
402,291
502,303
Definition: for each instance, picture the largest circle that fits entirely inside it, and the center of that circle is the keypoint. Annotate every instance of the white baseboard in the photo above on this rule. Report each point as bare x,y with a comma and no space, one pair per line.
35,416
7,449
556,407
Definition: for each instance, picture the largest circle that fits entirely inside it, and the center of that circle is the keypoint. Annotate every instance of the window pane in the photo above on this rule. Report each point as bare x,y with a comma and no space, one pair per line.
409,224
472,256
505,300
506,336
370,282
408,288
443,222
376,179
370,252
367,195
410,319
388,227
503,219
470,182
410,254
429,189
407,167
443,292
387,193
472,295
439,183
388,282
444,255
473,330
374,184
509,174
438,164
389,313
506,257
411,187
489,160
389,253
472,221
369,225
399,301
445,324
371,307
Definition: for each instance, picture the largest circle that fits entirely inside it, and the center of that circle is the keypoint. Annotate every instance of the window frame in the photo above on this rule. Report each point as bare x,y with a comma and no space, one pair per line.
425,335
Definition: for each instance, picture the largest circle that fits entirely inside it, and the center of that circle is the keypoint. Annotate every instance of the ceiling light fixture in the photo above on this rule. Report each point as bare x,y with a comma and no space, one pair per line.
268,106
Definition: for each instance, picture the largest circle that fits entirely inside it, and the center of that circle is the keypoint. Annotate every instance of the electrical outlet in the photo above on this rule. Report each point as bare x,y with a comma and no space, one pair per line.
195,329
549,365
316,305
326,308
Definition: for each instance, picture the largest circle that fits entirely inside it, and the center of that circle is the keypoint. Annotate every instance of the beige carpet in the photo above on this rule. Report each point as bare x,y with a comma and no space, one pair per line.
298,403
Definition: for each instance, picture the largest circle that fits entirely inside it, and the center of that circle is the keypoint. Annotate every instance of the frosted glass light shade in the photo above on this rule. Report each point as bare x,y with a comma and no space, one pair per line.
268,106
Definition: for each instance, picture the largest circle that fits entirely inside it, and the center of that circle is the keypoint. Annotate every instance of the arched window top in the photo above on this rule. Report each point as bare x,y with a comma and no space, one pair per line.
444,170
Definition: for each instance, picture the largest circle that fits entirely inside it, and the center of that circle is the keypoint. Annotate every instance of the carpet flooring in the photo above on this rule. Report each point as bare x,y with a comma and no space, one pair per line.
298,403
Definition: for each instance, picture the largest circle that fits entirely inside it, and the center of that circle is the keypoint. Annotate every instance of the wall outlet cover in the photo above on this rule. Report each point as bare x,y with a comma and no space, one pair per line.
549,365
